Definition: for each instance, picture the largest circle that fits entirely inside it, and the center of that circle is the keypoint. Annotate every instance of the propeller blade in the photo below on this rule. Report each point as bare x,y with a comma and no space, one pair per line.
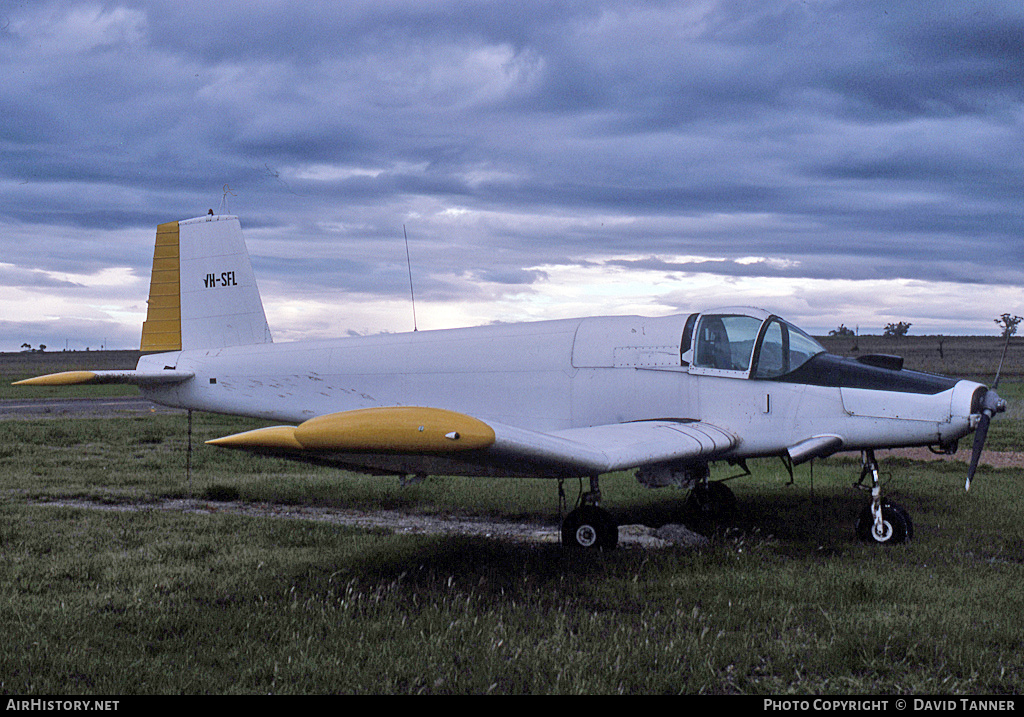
979,442
990,406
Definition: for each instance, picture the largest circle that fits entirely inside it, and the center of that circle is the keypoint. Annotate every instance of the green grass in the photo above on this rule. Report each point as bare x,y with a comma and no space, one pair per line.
784,601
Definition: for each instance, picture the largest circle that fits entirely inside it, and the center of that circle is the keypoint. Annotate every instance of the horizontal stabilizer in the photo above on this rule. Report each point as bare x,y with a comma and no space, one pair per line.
136,378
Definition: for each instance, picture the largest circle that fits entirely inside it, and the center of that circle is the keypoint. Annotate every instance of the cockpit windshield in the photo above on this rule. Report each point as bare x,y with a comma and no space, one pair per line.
783,348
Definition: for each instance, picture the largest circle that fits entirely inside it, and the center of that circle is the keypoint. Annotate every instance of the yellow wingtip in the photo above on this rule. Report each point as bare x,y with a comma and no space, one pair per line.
404,429
280,437
398,428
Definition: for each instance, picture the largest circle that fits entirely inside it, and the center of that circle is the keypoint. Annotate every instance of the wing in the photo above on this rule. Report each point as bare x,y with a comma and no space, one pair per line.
619,446
449,438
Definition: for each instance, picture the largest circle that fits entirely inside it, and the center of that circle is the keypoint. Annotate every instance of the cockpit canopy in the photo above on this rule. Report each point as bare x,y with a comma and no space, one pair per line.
748,342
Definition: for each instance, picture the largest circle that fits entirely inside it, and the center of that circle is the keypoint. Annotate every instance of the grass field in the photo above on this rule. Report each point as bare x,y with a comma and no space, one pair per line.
784,600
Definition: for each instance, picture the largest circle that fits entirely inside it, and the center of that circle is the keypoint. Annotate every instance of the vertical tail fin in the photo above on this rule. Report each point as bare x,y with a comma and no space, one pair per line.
203,292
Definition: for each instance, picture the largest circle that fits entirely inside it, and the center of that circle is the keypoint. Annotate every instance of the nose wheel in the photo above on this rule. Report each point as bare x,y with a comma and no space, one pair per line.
881,521
895,526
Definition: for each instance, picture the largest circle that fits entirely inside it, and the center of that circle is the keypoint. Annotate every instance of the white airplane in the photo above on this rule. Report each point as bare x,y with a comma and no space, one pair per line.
572,398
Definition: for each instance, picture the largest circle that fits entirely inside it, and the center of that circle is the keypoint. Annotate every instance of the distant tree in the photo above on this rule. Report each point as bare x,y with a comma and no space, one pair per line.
1008,324
896,330
27,347
841,331
42,347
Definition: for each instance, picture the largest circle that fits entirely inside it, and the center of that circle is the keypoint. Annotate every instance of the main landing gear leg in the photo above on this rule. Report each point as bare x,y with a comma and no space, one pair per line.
589,526
881,521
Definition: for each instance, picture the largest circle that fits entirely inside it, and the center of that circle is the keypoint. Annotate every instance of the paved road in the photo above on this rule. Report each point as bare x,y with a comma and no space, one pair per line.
32,408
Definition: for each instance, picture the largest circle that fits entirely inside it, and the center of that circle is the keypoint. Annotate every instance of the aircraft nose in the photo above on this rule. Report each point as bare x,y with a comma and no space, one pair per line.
987,401
1000,403
967,400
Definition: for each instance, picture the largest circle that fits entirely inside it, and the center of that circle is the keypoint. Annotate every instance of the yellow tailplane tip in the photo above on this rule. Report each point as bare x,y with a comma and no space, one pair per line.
65,378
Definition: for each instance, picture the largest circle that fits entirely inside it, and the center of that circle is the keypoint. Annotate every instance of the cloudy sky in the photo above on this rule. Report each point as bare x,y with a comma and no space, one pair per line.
854,162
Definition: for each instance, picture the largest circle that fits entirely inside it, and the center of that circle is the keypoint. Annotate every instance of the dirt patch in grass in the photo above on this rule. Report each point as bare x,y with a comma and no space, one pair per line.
389,520
996,459
395,521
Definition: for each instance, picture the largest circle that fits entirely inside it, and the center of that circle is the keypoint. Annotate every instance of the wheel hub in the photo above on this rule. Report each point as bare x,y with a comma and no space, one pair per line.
586,536
882,532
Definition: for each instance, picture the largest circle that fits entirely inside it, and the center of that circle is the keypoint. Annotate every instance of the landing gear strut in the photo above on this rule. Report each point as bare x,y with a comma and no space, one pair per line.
589,526
881,521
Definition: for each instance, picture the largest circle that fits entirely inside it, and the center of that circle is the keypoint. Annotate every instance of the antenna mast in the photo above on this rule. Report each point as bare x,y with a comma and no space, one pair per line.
412,294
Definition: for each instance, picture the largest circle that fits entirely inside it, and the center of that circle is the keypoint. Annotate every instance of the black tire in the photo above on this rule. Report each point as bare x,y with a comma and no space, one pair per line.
711,500
898,526
906,520
590,528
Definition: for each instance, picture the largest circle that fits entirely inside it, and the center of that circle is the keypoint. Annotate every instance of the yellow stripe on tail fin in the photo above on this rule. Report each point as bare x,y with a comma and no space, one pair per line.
162,329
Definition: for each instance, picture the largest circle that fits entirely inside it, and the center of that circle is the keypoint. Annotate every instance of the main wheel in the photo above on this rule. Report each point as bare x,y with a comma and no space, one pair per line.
896,525
590,527
712,500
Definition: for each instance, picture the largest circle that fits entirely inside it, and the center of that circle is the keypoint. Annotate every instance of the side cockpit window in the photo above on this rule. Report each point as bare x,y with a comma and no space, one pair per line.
783,348
725,342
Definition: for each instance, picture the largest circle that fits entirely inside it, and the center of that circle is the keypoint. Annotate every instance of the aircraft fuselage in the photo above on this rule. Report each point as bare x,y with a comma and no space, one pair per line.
564,374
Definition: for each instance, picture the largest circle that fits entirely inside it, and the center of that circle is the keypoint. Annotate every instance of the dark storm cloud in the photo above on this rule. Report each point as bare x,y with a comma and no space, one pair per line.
827,140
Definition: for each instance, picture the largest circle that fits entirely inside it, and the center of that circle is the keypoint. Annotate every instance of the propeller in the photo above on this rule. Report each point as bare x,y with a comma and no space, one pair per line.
991,404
